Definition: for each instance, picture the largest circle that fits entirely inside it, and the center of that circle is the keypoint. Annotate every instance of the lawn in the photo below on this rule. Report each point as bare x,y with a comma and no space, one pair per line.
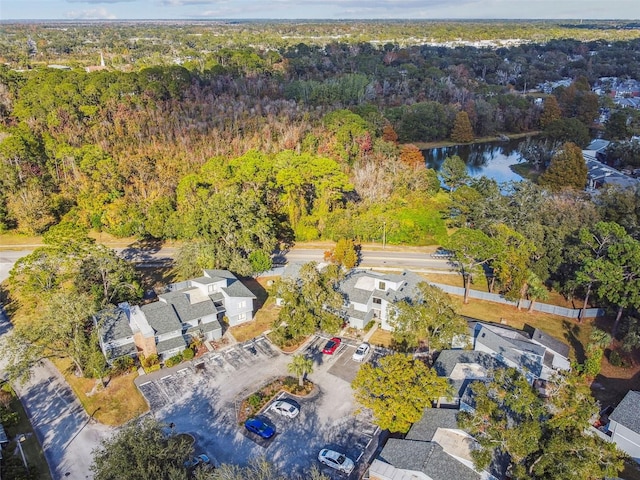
116,404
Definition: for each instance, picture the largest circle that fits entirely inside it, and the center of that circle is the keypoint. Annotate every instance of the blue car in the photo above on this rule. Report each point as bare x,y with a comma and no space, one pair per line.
259,427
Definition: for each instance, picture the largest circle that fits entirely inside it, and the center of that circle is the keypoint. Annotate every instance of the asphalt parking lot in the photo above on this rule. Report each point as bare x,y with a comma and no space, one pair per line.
202,399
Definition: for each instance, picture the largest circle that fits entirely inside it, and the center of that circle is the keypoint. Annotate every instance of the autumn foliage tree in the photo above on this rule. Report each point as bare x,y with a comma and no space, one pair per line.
462,131
412,156
550,111
345,253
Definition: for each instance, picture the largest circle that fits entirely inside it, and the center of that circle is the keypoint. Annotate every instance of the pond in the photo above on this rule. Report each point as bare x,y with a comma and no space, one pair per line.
491,159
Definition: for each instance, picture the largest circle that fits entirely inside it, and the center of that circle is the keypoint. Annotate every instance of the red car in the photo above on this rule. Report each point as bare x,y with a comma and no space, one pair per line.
332,345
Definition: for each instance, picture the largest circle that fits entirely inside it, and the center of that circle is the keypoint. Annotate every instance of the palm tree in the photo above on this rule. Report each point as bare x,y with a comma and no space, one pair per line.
300,366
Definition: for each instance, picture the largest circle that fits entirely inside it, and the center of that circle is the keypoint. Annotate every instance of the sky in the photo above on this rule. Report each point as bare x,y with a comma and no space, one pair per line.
317,9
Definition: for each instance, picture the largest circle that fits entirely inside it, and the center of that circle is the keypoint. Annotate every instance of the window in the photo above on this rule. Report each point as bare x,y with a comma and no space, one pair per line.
242,304
382,286
242,317
377,301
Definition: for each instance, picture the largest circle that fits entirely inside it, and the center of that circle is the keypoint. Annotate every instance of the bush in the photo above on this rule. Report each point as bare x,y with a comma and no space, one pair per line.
369,325
255,400
149,361
593,362
188,354
173,361
122,365
615,359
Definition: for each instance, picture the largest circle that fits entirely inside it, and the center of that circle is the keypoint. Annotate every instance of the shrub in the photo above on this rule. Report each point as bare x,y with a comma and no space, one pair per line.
593,362
122,365
149,361
173,361
615,359
255,400
188,354
369,325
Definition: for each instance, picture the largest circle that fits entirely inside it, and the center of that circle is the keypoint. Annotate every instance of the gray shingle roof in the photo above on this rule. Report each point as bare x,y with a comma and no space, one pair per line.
426,457
113,324
188,311
406,454
407,280
627,412
161,317
432,419
550,342
234,288
171,344
124,350
509,349
448,359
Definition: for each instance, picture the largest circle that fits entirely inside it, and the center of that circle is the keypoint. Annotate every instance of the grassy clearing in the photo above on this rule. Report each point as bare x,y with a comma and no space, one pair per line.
263,320
481,285
116,404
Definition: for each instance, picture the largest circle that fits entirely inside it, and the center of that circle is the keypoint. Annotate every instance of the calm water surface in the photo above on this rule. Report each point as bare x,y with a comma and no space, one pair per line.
491,159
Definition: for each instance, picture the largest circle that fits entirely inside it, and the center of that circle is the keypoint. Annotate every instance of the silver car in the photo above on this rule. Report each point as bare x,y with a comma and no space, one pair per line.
285,408
336,460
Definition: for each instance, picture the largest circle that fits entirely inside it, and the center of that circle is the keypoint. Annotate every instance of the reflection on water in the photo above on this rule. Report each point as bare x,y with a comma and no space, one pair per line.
490,159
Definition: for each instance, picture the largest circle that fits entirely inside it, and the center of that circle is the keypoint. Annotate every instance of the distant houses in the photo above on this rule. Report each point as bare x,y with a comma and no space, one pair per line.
192,309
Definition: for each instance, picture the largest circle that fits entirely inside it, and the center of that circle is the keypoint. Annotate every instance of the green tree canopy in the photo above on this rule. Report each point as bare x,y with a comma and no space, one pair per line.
308,302
543,439
567,169
454,172
398,390
145,451
300,366
429,317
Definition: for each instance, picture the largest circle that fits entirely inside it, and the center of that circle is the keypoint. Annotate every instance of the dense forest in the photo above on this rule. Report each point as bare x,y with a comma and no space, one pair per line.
240,137
238,147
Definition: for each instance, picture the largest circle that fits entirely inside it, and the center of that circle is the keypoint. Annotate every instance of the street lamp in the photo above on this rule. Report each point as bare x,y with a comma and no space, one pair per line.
21,439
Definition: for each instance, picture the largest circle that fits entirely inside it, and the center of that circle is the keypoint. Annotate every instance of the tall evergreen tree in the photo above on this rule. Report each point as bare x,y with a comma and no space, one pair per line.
567,169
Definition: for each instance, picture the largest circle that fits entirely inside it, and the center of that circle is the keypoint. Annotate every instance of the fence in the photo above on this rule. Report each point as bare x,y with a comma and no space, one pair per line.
524,304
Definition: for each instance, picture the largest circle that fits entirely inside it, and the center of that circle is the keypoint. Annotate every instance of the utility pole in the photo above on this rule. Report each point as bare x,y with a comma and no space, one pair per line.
384,234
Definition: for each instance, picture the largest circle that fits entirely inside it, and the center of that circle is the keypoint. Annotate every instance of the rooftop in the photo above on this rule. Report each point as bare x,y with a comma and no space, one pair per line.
626,413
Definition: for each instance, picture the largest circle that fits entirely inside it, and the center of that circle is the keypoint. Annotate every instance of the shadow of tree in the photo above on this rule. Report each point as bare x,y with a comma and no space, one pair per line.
571,334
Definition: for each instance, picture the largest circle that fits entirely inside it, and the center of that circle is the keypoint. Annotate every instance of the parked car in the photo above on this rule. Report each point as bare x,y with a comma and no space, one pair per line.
197,460
336,460
259,427
332,345
361,352
285,408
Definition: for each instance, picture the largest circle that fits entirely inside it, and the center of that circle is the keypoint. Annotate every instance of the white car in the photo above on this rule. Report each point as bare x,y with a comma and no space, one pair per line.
336,460
286,409
361,352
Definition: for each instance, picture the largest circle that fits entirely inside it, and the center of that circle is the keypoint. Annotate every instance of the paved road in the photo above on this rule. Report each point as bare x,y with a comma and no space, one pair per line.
376,259
64,429
381,259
